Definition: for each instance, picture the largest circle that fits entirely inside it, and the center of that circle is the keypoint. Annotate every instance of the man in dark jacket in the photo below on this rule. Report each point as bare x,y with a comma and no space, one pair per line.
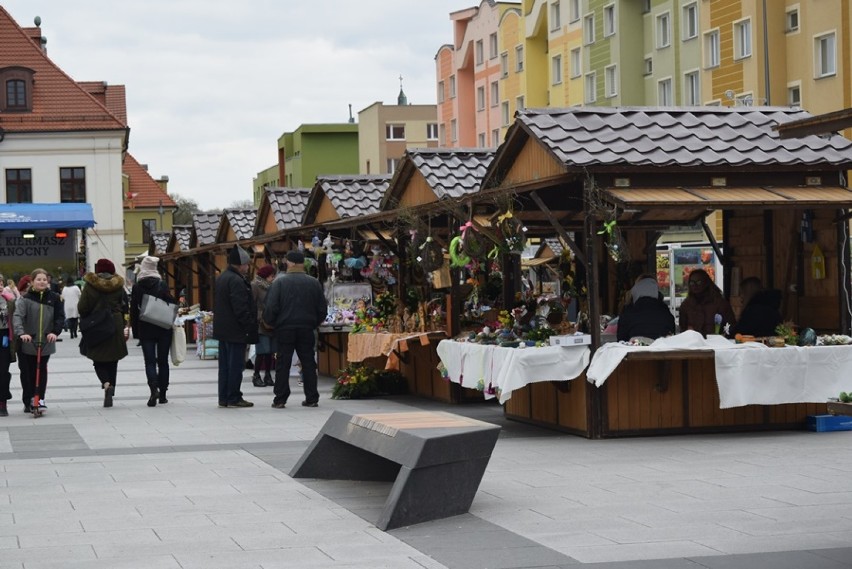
647,316
295,307
760,314
234,325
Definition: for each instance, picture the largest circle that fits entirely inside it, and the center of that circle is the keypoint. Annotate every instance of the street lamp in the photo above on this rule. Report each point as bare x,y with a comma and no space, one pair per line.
161,211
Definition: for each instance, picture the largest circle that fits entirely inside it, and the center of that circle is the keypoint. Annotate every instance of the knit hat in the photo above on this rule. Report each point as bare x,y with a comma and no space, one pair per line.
148,268
266,271
296,257
104,266
24,282
645,287
238,256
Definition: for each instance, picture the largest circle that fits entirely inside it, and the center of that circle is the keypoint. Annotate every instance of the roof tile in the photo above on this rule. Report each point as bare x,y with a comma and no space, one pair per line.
287,205
143,190
205,226
354,195
452,172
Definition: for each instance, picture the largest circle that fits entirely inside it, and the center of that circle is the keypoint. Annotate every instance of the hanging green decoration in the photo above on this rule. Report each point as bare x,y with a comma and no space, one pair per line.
458,259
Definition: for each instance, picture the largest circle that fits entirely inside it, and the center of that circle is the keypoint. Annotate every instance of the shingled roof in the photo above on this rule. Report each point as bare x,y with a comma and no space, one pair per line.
241,222
205,227
182,235
606,137
287,205
160,241
351,195
452,172
143,190
59,104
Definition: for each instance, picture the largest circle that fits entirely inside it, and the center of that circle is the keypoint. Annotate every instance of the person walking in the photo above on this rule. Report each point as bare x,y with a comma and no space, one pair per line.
234,326
105,290
71,296
37,323
265,349
156,340
7,348
295,307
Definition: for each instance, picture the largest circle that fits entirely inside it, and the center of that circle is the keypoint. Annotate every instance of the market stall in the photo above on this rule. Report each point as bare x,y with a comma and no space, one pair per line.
783,220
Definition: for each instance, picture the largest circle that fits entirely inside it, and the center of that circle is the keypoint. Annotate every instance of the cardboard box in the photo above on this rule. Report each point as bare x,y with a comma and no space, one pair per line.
571,340
825,423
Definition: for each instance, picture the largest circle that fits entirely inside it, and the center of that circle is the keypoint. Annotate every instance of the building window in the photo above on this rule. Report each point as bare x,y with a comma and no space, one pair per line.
454,130
395,131
711,49
442,134
794,96
742,39
792,18
72,185
648,66
392,164
480,52
19,185
609,20
149,226
480,139
440,91
16,95
691,92
519,58
432,131
495,93
825,55
591,87
610,81
519,103
504,64
664,93
589,29
576,63
480,98
492,46
690,21
555,18
556,69
573,10
664,30
495,137
452,86
504,112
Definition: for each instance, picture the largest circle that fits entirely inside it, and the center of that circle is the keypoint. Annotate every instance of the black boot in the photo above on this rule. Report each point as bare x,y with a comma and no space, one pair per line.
267,379
152,401
163,399
256,380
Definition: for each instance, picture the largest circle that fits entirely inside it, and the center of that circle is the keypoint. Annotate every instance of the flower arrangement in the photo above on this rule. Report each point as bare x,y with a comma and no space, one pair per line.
354,382
788,331
385,303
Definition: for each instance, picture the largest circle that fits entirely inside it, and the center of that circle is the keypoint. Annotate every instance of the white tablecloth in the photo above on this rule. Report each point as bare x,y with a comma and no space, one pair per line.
750,373
479,366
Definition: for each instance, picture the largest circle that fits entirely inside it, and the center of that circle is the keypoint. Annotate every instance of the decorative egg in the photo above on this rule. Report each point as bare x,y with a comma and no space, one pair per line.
807,337
486,330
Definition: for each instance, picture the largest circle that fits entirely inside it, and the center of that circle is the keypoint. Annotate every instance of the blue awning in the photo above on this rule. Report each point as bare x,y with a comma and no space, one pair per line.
46,216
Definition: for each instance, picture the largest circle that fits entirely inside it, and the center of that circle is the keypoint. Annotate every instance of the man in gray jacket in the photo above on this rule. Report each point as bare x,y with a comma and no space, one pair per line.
295,307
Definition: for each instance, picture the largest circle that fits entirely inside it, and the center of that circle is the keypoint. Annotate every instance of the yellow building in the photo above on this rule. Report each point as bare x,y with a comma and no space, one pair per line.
147,208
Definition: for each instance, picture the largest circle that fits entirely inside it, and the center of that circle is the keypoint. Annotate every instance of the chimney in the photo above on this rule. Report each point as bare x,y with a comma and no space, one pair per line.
163,182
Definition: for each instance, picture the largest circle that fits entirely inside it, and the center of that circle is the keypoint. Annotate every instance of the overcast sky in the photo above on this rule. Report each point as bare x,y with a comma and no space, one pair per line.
212,84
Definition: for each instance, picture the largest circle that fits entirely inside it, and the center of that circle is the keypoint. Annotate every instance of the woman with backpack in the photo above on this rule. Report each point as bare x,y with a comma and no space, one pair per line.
156,341
38,321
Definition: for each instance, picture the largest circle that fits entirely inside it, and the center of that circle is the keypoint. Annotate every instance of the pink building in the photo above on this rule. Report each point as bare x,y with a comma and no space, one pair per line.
468,73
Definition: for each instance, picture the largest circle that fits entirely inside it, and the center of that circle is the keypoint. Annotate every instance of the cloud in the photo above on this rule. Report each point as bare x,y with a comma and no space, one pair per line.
211,85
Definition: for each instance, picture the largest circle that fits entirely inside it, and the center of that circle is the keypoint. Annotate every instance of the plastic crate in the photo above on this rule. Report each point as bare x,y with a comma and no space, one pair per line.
825,423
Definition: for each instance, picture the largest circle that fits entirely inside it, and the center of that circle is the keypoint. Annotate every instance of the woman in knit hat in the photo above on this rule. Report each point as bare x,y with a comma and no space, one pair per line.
105,290
265,348
156,341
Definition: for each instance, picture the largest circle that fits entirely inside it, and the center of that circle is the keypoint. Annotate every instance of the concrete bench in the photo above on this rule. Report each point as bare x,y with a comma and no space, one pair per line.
435,460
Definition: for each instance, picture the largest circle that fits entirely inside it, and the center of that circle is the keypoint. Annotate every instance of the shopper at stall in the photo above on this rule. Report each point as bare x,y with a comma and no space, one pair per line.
7,348
37,322
760,315
71,296
704,309
234,326
104,290
265,348
646,315
295,307
156,340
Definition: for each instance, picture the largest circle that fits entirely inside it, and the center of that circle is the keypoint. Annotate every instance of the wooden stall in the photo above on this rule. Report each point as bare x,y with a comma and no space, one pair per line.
610,180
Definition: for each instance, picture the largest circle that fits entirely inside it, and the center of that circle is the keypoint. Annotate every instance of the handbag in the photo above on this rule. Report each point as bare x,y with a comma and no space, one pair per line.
178,347
97,327
157,311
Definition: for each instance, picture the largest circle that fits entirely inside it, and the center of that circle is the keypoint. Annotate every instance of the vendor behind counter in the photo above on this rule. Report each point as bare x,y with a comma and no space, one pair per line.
647,315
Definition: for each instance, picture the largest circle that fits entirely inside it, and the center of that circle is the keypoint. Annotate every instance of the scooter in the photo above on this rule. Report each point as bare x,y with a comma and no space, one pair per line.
36,399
